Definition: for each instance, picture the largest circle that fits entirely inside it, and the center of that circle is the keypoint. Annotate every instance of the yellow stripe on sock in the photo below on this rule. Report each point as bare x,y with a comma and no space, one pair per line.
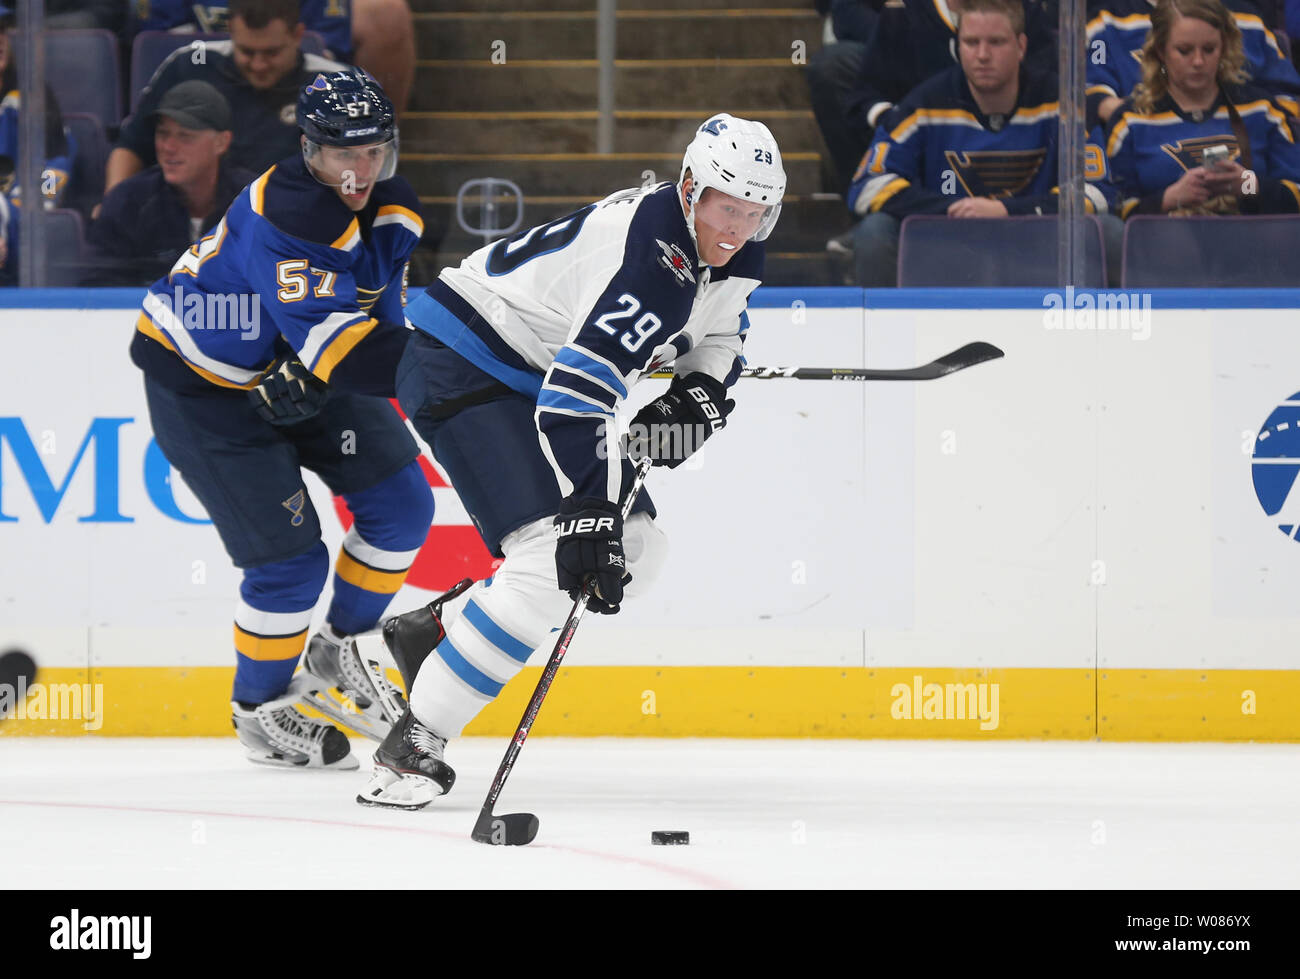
269,647
365,577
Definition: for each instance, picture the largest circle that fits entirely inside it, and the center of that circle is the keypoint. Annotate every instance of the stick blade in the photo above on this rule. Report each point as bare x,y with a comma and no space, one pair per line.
968,356
509,829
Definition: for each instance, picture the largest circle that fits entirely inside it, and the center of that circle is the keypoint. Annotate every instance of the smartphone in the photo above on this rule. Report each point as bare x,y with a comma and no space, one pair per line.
1215,157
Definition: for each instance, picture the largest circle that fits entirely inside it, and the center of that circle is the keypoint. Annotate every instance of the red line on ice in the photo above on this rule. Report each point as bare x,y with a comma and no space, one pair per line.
695,877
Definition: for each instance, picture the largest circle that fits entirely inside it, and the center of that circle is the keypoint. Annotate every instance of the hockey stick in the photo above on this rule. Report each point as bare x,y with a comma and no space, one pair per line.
961,358
519,828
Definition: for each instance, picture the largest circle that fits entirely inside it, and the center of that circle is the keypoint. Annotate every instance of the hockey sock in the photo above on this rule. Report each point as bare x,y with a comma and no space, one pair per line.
391,522
271,622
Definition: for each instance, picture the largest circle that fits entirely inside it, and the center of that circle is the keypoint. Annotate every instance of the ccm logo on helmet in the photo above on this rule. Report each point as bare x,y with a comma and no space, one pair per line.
586,525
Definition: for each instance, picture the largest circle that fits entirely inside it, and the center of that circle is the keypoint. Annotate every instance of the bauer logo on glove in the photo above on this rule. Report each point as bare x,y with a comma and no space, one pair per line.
673,427
589,546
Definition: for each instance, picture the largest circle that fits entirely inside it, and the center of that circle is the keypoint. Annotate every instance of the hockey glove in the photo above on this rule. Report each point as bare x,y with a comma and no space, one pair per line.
589,544
674,426
288,392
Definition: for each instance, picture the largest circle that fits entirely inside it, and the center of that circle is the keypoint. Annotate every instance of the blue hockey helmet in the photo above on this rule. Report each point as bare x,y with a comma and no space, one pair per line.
346,109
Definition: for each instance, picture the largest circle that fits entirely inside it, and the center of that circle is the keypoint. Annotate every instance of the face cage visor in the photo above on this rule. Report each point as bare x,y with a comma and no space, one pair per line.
350,168
732,217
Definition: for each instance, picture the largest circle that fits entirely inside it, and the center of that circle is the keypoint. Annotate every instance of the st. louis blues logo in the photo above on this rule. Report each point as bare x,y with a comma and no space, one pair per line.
320,84
295,505
675,261
1275,465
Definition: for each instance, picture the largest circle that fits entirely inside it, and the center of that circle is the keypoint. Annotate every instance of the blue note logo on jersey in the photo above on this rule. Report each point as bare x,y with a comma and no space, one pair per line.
1191,152
1276,464
996,173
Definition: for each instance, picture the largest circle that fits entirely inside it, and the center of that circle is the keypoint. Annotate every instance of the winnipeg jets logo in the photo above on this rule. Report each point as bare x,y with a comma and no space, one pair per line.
676,262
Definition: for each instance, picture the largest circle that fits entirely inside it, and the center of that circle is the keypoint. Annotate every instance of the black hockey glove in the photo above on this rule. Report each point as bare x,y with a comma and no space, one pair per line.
288,392
674,426
589,543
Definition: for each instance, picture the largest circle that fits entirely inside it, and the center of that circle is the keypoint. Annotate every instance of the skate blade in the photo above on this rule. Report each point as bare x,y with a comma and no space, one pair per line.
370,722
348,763
388,789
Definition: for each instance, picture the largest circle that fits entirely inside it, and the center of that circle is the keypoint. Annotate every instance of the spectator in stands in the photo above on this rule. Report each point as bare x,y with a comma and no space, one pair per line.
832,82
377,35
977,140
1193,99
912,41
59,150
260,71
1118,29
149,219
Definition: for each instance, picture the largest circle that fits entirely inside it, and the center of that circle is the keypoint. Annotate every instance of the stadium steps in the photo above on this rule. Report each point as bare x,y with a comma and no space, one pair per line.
525,109
641,34
636,130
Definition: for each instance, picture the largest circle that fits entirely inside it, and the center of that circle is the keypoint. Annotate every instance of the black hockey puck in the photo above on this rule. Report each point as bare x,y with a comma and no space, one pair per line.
670,837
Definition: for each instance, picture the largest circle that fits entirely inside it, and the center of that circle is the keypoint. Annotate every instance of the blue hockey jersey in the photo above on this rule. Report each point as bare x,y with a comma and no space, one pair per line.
939,147
1117,29
1149,152
288,266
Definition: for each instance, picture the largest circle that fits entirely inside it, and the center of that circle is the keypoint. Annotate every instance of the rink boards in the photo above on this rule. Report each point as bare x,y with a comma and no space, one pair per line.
1093,537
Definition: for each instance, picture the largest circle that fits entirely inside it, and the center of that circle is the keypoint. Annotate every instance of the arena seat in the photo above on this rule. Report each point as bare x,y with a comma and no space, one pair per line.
82,69
938,251
86,182
64,247
1244,251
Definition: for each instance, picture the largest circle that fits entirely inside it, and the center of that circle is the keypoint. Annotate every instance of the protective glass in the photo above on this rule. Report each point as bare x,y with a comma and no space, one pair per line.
734,217
354,167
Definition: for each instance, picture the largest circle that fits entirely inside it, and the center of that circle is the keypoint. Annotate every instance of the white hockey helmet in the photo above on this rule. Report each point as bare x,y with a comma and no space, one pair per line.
738,157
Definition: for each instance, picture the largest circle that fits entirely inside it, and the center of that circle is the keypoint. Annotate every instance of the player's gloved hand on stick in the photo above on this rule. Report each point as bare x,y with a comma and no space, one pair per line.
288,392
589,543
672,427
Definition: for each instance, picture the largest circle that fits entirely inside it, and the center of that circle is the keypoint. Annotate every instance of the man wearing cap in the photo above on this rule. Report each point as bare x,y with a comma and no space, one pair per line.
149,219
260,71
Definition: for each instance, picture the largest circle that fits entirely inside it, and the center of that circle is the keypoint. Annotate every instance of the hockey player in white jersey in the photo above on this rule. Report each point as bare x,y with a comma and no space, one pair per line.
519,362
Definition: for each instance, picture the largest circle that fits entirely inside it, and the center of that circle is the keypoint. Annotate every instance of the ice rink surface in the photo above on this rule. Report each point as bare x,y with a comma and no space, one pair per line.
192,813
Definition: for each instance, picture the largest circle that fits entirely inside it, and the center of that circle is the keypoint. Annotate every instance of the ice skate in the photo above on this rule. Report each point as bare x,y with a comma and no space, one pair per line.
278,733
412,636
409,771
349,688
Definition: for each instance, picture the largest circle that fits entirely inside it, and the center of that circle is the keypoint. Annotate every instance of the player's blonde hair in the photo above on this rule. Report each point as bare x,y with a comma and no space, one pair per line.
1232,58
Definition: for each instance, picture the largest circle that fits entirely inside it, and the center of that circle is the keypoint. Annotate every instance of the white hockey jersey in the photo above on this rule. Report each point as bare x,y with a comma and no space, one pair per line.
572,313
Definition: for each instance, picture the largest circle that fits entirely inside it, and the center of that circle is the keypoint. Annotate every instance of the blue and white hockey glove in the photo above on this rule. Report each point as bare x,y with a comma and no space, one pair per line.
672,427
589,543
288,392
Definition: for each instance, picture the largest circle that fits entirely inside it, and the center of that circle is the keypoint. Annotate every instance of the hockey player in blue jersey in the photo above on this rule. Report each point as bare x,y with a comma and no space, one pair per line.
270,347
519,362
